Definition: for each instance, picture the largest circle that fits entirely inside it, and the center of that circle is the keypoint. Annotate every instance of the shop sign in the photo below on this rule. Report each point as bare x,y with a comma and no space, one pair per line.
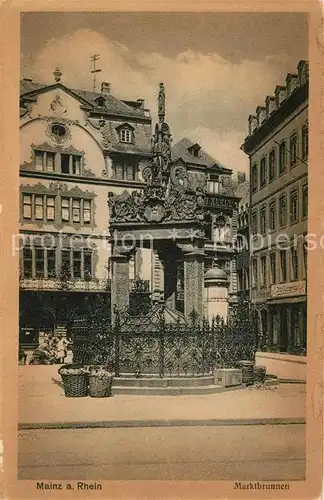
220,202
259,295
288,289
60,330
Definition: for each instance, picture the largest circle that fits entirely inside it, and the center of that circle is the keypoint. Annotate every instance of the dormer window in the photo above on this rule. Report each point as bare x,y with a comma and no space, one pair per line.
126,134
100,101
194,150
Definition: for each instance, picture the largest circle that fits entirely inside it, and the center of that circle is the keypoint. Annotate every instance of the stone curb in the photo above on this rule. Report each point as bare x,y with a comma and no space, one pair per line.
161,423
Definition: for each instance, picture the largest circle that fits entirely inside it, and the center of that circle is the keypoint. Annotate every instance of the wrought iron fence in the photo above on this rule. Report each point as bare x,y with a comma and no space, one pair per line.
145,345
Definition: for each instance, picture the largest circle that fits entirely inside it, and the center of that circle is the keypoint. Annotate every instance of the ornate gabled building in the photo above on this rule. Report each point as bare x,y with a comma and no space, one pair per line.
75,147
277,145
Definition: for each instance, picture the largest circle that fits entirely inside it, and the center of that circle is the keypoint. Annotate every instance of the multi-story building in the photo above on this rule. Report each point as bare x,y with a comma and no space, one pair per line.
76,147
277,146
243,238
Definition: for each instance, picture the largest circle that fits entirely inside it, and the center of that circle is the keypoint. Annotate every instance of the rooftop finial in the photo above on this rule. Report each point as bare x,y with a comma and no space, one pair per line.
57,75
161,103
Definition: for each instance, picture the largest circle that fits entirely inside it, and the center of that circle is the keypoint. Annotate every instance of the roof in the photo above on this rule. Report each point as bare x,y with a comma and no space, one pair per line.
113,105
181,150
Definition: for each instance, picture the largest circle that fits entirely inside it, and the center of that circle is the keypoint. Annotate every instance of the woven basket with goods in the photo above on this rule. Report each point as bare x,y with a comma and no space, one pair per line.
100,380
75,379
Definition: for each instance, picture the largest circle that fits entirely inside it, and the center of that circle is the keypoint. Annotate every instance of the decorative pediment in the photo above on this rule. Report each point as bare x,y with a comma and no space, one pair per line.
124,125
45,146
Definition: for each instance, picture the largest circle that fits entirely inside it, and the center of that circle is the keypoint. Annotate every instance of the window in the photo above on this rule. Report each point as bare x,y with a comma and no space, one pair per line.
76,165
28,262
76,210
263,220
282,211
293,206
254,178
50,208
272,165
126,135
272,216
76,256
221,232
293,150
39,160
87,264
125,171
305,201
50,162
294,263
305,258
86,211
254,223
45,161
130,172
65,163
65,209
27,206
213,186
39,207
65,264
263,271
282,158
39,262
254,273
273,268
263,172
51,263
283,266
305,141
58,130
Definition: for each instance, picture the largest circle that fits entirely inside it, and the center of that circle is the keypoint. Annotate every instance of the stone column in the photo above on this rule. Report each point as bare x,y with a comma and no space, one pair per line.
194,283
119,282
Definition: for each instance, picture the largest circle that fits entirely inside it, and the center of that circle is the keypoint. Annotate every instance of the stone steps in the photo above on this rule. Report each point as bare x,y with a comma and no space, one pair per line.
170,391
163,382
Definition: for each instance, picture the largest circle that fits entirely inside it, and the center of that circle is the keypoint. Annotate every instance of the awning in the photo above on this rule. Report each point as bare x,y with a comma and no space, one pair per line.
286,300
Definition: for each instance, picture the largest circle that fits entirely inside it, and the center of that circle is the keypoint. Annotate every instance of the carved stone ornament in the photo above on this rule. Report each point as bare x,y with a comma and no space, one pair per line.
57,106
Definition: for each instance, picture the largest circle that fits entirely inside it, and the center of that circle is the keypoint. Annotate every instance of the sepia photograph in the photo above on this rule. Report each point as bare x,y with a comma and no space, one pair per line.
163,248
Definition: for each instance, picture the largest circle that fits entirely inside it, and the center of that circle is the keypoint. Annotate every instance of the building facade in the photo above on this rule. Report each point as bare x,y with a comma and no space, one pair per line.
277,146
76,147
243,238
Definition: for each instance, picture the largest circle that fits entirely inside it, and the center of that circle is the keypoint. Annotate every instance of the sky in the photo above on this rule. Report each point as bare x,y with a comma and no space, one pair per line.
216,67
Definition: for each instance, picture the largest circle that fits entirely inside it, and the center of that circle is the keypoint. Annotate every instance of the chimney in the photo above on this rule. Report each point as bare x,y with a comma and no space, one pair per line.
105,88
253,124
291,83
280,93
270,105
302,71
141,103
261,114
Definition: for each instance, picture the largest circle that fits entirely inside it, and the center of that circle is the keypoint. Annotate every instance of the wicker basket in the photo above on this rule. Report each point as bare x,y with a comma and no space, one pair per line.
75,385
99,386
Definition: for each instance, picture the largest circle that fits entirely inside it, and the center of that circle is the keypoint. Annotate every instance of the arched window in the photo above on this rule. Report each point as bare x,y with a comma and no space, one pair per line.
221,231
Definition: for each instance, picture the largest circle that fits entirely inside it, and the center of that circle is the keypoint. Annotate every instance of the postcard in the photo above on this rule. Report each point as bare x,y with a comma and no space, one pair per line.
162,249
